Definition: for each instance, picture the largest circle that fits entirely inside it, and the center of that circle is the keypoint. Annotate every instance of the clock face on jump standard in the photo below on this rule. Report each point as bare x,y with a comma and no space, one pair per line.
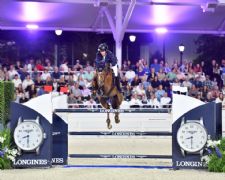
28,135
192,137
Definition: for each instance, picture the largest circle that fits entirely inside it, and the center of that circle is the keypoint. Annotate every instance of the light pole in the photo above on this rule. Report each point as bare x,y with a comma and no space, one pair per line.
181,49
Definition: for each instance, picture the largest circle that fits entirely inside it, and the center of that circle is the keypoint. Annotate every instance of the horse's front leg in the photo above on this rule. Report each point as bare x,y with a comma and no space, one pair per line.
109,125
106,106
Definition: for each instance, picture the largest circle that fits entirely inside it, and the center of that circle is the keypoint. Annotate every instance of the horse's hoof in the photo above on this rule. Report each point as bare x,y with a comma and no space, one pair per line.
117,120
109,126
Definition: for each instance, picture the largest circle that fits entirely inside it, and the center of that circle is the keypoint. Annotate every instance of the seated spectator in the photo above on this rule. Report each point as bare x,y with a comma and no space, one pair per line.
91,103
165,101
38,82
127,92
159,92
155,82
61,83
167,69
208,82
125,105
76,91
77,66
70,80
186,83
32,92
49,67
12,72
145,82
123,81
130,75
165,83
88,77
88,67
39,65
71,99
172,75
139,90
144,102
150,90
23,73
161,75
86,93
193,91
135,102
155,65
209,97
136,81
27,82
64,66
140,72
56,74
44,75
152,75
35,74
153,102
23,98
49,81
197,68
180,76
81,82
16,81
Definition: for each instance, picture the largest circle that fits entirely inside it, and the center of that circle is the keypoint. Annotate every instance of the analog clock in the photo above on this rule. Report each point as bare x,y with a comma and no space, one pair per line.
29,135
192,136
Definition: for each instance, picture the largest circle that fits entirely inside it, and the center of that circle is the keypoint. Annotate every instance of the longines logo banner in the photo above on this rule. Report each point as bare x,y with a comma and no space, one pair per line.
31,162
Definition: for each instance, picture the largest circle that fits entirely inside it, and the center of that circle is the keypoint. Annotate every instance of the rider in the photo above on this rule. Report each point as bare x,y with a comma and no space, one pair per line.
103,57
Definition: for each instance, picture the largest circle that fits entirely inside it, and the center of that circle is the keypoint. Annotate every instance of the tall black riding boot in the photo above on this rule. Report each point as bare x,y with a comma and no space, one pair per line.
117,83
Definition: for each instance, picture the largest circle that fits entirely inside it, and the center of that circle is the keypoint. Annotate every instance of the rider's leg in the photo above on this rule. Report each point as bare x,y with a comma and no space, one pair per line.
116,79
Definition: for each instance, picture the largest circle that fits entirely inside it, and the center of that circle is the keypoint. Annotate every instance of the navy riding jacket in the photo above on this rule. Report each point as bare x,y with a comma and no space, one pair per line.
109,59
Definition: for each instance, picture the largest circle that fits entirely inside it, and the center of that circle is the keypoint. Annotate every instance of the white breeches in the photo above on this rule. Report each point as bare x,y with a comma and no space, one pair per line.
115,70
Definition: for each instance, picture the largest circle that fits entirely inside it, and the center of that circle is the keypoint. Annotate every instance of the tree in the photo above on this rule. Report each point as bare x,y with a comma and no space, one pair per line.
210,47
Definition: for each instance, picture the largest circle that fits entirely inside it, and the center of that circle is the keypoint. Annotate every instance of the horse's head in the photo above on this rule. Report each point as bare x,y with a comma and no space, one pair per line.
100,78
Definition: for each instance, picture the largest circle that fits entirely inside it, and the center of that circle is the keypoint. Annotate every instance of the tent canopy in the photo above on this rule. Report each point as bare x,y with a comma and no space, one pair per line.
178,16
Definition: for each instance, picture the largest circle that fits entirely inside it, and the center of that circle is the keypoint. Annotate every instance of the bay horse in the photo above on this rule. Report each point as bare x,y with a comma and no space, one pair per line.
110,97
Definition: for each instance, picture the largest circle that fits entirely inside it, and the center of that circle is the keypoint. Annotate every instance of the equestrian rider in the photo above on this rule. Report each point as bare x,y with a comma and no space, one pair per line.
103,57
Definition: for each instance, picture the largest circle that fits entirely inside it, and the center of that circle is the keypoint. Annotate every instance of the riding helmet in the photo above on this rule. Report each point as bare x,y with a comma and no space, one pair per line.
102,47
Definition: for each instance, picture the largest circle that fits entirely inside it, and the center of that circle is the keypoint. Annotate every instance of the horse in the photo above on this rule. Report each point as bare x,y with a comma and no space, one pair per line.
104,80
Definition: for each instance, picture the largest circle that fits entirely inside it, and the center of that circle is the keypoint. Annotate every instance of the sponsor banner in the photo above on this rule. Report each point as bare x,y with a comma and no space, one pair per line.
120,156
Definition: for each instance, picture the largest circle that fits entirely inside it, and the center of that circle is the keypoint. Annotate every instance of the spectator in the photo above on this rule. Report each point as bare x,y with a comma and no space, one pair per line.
155,65
76,91
27,82
56,74
16,81
86,93
161,75
165,101
160,92
155,82
130,75
64,66
44,75
136,81
153,102
77,66
135,102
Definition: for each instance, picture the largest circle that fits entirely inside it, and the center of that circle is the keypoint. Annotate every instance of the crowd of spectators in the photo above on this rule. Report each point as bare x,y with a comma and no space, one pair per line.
143,85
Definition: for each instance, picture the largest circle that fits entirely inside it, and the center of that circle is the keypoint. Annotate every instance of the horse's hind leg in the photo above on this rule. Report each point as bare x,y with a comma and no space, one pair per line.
106,106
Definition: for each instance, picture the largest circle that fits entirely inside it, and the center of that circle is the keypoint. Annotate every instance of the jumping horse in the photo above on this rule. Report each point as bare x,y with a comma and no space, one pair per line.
110,96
